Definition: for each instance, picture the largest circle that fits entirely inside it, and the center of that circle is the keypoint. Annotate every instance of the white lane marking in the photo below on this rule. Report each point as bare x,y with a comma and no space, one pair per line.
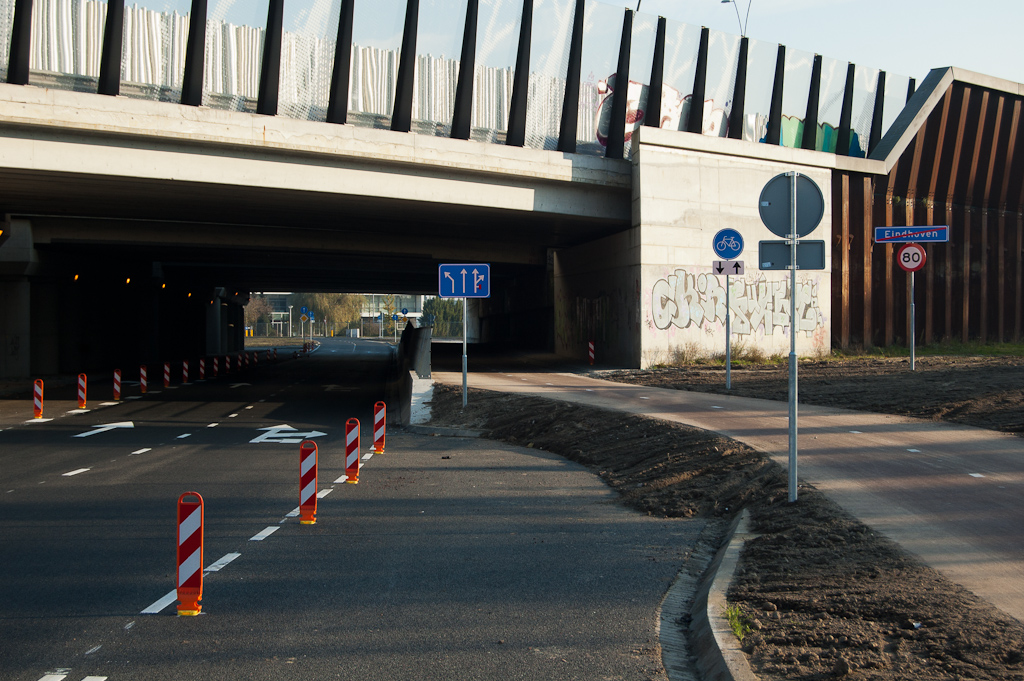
109,404
53,677
154,392
367,456
224,560
30,422
714,407
143,450
184,435
129,625
549,384
261,400
93,650
336,482
231,416
76,472
645,398
292,513
589,390
324,492
162,603
976,475
522,379
263,534
856,432
78,411
213,425
916,451
95,678
134,397
103,428
249,407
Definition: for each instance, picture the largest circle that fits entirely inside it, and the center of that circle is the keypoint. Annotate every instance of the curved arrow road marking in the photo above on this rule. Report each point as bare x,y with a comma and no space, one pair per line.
105,427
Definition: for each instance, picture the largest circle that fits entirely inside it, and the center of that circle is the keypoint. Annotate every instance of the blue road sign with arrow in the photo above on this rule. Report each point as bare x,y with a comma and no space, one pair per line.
464,281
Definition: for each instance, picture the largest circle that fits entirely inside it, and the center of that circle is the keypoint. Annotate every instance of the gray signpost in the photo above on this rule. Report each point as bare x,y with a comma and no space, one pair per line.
727,244
464,281
779,203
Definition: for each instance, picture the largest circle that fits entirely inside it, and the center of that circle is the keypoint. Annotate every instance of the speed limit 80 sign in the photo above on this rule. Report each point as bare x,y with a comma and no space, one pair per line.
911,257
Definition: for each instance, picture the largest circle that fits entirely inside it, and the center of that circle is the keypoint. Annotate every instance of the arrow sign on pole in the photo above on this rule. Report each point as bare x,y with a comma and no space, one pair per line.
105,427
728,267
284,434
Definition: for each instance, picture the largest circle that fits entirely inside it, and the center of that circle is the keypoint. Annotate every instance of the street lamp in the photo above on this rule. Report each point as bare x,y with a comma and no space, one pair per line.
742,24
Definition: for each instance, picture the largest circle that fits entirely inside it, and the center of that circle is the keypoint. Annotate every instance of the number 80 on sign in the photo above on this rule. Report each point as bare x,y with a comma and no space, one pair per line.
911,257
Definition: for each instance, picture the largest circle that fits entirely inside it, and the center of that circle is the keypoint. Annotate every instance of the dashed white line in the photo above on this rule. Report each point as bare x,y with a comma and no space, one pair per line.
184,435
143,450
95,678
213,425
292,513
78,411
976,475
714,407
249,407
916,451
263,534
76,472
231,416
133,397
336,482
324,492
109,404
367,456
162,603
856,432
644,398
93,650
224,560
31,421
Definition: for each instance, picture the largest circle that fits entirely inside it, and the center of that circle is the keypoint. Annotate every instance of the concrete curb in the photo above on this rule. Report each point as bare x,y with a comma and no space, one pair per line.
718,652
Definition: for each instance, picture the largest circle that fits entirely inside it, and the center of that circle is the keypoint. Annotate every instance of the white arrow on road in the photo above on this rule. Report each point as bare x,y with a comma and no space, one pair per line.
105,427
284,434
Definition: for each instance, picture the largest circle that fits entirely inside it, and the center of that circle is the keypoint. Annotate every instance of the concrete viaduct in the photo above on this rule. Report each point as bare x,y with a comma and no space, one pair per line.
135,229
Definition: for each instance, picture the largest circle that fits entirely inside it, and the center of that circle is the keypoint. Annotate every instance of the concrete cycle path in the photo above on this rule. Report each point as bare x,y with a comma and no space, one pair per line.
951,494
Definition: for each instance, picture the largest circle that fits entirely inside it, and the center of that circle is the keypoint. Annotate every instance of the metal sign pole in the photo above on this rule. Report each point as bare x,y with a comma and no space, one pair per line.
728,338
792,341
465,363
913,324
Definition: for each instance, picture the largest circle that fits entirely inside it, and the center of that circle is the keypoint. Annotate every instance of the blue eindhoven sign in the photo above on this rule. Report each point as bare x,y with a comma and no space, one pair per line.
905,235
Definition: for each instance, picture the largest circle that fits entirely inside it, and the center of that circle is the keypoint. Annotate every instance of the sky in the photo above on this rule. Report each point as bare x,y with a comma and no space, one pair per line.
905,37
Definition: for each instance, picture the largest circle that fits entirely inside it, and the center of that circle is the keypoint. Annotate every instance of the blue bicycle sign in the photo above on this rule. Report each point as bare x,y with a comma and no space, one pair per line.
728,244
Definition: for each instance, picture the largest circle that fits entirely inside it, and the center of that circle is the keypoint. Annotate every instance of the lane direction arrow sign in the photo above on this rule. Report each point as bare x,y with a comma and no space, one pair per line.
285,435
732,267
97,429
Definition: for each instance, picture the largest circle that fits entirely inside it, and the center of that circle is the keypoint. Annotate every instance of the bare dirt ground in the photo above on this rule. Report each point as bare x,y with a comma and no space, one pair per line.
822,595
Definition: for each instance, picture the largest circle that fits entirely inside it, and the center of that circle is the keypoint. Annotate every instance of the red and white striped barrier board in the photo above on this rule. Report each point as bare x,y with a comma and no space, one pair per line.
240,362
275,353
352,451
307,482
184,371
590,348
82,383
202,369
268,354
255,357
117,385
167,374
227,364
246,355
380,413
190,554
37,399
216,366
143,382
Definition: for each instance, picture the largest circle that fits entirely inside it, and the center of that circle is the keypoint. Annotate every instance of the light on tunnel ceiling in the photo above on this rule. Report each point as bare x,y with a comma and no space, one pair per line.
190,295
128,280
76,277
163,285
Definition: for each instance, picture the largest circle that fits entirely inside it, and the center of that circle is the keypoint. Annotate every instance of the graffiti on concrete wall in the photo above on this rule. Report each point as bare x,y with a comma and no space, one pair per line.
694,300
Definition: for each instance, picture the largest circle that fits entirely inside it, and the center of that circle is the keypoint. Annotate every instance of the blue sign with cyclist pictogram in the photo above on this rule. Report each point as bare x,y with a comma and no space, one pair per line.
728,244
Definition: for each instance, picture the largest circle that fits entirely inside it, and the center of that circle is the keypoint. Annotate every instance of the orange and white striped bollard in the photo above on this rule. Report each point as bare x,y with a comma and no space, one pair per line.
190,554
143,381
202,369
117,385
37,399
184,371
82,383
246,360
352,451
380,412
216,366
167,374
275,353
240,361
590,350
307,482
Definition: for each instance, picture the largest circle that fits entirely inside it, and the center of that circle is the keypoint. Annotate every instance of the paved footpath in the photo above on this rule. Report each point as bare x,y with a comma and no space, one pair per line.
952,494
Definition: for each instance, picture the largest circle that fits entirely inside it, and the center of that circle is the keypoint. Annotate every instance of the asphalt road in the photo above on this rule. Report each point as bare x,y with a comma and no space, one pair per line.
949,493
451,559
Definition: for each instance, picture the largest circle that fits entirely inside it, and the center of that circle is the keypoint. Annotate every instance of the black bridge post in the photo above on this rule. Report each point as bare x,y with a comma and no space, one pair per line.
463,114
113,48
270,74
195,55
401,116
337,107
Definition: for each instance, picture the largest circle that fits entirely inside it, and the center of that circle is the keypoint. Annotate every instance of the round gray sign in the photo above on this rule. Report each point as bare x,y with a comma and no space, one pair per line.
774,205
